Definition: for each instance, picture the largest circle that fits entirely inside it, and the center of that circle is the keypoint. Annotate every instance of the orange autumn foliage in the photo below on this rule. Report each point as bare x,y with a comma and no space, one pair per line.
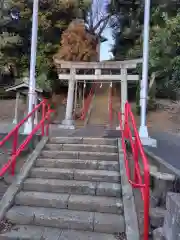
77,44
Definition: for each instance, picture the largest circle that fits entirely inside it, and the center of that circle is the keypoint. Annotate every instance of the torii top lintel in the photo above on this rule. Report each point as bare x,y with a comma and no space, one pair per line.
60,64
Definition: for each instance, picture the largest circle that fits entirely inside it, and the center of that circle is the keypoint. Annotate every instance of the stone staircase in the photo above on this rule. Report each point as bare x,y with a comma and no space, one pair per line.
73,192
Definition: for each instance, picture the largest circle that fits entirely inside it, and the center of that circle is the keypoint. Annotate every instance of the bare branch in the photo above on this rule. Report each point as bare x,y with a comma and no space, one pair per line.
91,19
106,18
105,23
98,16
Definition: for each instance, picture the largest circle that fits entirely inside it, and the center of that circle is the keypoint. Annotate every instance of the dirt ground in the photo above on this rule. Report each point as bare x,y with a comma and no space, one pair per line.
166,118
7,109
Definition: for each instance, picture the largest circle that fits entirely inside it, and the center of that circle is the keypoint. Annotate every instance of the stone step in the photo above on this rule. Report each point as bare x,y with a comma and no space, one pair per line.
42,199
52,173
66,219
95,204
77,163
82,148
80,155
71,202
73,187
97,175
80,140
76,174
156,217
30,232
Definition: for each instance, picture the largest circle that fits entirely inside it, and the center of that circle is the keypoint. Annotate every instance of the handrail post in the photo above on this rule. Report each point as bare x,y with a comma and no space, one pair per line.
146,203
146,213
136,180
15,143
43,116
48,120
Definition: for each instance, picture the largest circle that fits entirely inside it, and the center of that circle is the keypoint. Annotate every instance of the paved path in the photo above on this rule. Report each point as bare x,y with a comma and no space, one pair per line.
99,114
168,147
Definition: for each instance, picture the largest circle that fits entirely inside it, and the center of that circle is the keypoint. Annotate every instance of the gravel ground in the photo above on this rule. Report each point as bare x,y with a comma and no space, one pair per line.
5,226
121,236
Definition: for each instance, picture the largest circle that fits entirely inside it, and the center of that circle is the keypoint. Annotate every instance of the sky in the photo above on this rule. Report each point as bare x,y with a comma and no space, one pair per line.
105,53
99,11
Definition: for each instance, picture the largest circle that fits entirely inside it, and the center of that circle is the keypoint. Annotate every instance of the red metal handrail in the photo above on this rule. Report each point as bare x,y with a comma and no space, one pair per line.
46,112
88,102
137,151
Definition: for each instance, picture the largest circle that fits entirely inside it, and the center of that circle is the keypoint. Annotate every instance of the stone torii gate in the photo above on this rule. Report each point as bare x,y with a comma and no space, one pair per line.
97,69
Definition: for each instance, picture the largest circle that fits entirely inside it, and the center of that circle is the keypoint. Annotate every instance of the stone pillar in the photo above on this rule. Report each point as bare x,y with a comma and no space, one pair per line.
68,122
76,97
97,73
171,228
124,94
15,120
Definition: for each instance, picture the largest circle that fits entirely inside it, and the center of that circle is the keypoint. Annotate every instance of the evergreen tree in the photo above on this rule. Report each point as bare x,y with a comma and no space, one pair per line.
164,31
128,23
54,17
8,40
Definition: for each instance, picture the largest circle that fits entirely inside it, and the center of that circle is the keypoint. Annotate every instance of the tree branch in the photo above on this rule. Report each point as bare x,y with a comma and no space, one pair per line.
104,19
103,27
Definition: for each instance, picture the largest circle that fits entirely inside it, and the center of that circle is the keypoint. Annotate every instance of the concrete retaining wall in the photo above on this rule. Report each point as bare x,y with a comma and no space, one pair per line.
171,228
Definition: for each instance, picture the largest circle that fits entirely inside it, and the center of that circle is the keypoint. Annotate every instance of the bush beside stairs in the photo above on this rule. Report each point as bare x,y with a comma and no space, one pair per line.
73,192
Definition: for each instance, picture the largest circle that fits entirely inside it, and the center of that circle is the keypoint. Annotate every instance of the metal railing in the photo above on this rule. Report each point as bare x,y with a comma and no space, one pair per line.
130,133
43,125
87,102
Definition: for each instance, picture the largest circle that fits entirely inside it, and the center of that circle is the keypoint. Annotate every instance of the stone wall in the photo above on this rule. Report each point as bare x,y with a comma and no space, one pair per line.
171,227
165,206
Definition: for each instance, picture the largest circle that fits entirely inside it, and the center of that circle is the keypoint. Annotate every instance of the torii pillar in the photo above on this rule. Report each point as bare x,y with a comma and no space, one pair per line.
68,122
